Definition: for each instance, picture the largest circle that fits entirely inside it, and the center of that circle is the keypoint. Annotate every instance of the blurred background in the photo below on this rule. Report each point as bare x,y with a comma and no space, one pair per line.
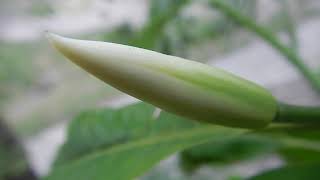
40,91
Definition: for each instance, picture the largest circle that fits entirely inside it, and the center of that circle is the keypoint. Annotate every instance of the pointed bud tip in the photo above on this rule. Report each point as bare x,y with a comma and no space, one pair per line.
60,43
52,38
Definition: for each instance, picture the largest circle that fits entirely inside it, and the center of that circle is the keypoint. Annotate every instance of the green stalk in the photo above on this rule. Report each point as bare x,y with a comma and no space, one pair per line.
268,36
297,114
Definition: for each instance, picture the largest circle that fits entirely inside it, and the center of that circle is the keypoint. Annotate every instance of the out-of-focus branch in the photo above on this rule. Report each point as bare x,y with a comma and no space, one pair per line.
270,38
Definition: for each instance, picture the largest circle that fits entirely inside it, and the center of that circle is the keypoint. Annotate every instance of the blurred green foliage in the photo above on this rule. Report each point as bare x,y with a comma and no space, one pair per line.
16,68
40,8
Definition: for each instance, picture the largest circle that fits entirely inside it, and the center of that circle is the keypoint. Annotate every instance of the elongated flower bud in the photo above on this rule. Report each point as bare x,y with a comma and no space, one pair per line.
177,85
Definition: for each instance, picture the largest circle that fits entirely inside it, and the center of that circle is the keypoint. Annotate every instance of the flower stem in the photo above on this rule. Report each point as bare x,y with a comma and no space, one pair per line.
297,114
270,38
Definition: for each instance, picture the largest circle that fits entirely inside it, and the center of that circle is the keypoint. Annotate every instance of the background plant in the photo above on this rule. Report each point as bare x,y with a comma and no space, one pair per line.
106,135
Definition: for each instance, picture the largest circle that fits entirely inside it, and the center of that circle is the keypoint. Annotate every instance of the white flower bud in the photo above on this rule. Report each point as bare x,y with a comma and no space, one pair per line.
177,85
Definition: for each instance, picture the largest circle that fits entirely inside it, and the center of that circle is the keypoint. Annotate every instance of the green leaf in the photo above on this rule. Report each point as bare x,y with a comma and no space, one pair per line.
124,143
295,136
130,160
301,144
236,149
104,128
299,155
297,144
291,172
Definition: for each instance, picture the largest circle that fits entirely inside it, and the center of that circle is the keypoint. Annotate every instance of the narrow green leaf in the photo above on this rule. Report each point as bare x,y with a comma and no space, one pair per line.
236,149
304,172
295,136
297,144
297,156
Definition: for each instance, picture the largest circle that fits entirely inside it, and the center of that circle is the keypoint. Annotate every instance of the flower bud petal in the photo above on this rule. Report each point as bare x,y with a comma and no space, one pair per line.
177,85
